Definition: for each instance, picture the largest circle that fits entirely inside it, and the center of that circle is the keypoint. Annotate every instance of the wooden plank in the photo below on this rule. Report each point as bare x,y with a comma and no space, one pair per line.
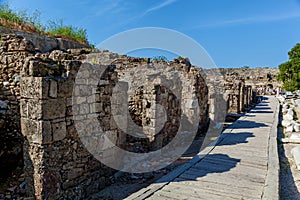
230,162
159,197
218,168
241,162
230,180
198,193
245,175
211,188
174,195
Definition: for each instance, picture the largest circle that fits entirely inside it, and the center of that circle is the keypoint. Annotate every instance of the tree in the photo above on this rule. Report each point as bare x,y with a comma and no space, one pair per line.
160,58
289,72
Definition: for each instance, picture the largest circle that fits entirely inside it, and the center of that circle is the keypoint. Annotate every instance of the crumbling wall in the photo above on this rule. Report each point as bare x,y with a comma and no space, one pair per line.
44,43
14,50
39,88
13,54
262,80
235,92
58,164
148,101
243,84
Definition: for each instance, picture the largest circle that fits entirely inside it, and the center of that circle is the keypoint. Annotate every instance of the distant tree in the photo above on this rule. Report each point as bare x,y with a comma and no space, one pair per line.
160,58
246,67
289,72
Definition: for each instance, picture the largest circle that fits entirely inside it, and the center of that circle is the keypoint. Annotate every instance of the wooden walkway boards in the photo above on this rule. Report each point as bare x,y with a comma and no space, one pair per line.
242,164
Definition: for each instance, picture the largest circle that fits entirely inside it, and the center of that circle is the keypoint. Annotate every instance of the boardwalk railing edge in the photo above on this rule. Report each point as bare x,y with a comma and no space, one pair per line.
271,188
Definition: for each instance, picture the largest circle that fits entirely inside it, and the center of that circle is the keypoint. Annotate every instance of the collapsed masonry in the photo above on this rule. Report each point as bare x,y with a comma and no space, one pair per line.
133,95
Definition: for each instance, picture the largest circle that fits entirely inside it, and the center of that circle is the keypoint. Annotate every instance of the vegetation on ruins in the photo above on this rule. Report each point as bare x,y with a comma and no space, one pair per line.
59,29
160,58
31,23
289,72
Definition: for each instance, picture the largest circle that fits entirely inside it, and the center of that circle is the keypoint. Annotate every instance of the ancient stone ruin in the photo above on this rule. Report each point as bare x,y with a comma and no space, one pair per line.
45,108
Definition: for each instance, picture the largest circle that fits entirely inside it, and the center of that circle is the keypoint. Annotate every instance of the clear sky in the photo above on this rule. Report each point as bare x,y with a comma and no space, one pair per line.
235,33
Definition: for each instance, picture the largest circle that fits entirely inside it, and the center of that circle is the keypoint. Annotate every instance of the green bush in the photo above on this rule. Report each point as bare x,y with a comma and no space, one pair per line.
58,29
7,14
31,23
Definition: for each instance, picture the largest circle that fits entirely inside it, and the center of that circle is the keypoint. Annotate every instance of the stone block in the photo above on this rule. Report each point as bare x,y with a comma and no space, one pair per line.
290,128
59,130
65,88
74,173
34,87
31,108
53,89
36,131
95,107
84,108
43,109
296,155
83,90
72,65
80,100
54,108
41,69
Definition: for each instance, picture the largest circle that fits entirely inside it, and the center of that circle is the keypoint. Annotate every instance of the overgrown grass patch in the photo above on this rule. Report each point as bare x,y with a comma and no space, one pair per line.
31,23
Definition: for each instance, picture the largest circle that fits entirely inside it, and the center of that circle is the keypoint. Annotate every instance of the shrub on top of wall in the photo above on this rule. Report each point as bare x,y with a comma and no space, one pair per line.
31,23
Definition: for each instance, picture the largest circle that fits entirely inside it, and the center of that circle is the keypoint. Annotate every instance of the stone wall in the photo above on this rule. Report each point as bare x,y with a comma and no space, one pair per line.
48,105
243,84
262,80
149,102
57,164
38,89
44,43
13,54
235,95
228,92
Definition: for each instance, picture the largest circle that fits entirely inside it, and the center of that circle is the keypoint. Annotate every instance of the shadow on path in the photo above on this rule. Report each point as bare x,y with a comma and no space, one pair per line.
235,138
257,111
241,124
212,163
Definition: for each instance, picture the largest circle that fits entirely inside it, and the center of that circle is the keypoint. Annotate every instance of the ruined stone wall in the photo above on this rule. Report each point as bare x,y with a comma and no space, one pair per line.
234,91
13,54
262,80
243,84
45,122
133,95
44,43
148,101
57,164
37,92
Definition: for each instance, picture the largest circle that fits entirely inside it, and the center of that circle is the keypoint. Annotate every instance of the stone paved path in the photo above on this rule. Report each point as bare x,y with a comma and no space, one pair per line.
242,165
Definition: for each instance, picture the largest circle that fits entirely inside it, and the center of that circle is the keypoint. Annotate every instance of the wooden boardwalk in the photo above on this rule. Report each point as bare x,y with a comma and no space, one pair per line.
242,164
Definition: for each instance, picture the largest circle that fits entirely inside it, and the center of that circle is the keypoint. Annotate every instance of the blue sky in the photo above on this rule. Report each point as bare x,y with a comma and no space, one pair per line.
234,32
